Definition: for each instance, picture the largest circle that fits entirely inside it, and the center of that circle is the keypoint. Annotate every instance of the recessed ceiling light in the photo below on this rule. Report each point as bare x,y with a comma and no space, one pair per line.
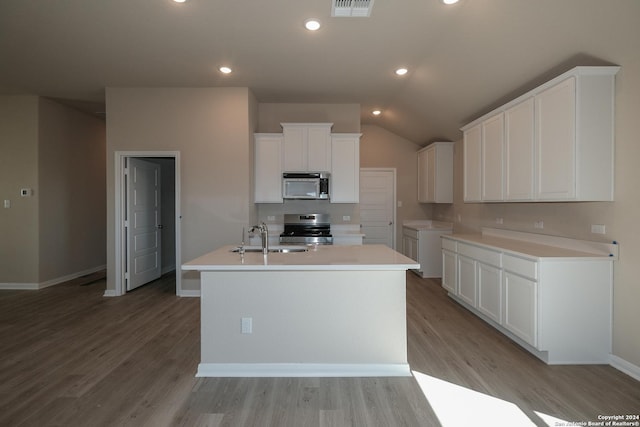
179,1
401,71
312,24
376,112
225,70
449,1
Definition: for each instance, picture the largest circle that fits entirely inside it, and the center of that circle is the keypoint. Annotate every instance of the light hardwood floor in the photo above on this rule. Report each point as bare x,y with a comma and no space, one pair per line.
71,357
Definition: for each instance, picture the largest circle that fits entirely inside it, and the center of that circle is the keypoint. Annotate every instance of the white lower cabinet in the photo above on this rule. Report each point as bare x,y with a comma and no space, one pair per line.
557,307
449,263
490,291
520,313
467,281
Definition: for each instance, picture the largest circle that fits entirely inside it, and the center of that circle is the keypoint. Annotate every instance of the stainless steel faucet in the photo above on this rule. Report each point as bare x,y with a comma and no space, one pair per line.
264,235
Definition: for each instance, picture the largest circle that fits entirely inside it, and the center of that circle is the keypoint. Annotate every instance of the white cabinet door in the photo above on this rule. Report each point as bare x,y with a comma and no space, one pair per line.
319,149
492,158
555,110
519,182
490,291
345,168
268,168
467,280
449,261
294,150
410,247
473,164
435,173
306,147
520,307
423,176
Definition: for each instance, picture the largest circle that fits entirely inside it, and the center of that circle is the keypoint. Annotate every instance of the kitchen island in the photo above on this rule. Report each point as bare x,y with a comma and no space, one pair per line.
329,311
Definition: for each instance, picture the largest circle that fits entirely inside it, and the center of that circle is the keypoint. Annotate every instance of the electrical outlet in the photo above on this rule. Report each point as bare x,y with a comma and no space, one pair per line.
271,218
346,217
598,228
459,218
499,220
7,204
538,224
247,325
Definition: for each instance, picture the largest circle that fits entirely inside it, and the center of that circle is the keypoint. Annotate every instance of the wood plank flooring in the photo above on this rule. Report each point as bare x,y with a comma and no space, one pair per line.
71,357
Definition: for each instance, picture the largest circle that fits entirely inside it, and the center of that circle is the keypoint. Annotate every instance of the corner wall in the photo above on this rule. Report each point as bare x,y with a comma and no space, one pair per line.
72,187
18,169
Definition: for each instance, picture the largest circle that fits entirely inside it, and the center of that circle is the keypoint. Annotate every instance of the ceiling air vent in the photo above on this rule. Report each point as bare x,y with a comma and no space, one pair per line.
346,8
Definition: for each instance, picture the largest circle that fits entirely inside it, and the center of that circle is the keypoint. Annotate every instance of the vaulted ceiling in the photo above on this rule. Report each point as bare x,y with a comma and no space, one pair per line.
463,59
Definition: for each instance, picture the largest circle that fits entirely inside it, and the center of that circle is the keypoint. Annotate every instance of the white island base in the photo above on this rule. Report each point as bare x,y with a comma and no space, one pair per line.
298,315
304,323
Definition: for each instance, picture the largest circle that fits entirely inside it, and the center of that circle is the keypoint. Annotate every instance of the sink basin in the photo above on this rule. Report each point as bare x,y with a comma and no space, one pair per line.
273,249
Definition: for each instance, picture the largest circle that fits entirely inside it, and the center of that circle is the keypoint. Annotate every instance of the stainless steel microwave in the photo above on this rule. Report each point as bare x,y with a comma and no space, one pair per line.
305,185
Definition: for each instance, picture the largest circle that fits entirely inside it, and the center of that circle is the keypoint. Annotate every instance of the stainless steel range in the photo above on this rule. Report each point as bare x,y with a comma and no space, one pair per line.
307,229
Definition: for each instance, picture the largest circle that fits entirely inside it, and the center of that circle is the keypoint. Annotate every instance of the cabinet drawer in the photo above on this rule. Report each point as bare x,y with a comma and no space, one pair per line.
410,232
521,266
480,254
450,245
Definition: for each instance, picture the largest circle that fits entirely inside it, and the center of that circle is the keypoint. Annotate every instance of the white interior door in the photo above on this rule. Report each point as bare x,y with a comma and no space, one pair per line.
143,223
377,202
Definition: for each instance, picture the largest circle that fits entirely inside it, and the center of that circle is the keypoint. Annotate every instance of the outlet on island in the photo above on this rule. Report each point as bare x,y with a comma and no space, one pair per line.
247,325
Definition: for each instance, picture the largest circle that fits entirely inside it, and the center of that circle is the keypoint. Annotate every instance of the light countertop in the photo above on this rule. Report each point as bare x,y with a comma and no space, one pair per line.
537,246
328,257
427,224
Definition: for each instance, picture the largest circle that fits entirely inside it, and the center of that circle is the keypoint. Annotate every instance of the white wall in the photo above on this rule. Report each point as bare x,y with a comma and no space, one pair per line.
212,129
382,149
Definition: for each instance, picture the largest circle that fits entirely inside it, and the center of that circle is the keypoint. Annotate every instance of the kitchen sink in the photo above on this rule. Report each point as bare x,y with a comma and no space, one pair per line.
273,249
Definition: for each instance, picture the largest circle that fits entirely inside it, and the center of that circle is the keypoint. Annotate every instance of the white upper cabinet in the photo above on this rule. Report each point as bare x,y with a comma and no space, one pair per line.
519,164
306,147
492,158
435,173
345,168
268,168
473,164
554,143
555,139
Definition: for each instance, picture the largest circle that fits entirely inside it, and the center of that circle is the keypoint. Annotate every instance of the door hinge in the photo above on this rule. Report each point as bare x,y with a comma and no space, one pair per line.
126,276
126,171
126,223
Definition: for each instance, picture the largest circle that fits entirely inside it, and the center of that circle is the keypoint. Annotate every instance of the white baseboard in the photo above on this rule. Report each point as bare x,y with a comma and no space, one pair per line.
110,293
190,293
626,367
19,286
52,282
302,370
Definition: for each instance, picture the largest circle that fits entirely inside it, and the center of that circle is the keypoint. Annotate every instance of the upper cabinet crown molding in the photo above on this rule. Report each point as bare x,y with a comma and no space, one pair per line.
554,143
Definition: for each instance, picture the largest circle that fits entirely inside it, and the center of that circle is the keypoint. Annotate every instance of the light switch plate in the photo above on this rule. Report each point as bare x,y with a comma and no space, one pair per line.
598,228
7,204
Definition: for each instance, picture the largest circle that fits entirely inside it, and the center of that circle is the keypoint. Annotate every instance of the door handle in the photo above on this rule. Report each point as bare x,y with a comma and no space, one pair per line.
159,226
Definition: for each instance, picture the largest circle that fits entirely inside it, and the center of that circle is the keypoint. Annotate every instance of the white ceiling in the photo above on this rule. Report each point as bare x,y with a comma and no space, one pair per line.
463,60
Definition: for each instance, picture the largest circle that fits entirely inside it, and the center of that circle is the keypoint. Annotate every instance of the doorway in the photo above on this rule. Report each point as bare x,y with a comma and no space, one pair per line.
142,260
378,205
